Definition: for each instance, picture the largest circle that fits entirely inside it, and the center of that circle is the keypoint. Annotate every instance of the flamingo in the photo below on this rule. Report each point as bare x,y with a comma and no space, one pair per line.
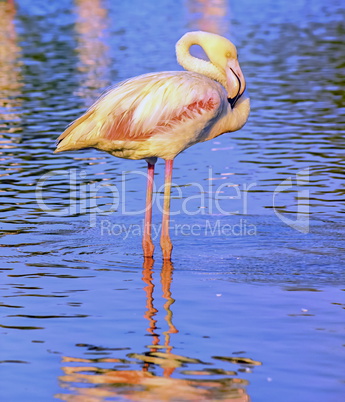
159,115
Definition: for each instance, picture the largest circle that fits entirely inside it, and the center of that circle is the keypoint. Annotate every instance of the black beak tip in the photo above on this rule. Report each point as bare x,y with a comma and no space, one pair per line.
233,101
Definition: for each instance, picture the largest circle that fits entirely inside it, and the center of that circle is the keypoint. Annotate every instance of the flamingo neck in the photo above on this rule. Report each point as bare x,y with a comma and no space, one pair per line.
233,119
191,63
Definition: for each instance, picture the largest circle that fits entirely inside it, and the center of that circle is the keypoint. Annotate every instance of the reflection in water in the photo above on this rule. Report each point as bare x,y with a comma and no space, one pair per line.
151,311
10,94
166,278
209,15
10,74
92,380
91,26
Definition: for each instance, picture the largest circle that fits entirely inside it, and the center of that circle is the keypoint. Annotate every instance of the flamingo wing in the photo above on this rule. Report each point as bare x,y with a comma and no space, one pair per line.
139,108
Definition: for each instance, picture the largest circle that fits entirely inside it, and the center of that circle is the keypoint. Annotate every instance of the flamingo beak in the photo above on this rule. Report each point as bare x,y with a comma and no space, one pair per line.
236,84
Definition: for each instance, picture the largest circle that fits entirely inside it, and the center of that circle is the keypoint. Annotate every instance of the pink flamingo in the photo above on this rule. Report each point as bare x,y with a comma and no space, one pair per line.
159,115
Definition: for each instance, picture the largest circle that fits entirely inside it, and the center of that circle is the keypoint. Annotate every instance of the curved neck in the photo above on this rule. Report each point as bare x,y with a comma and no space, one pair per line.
191,63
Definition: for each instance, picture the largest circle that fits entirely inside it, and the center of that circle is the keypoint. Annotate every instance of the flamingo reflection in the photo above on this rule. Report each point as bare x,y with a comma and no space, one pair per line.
209,15
90,381
166,278
10,72
94,61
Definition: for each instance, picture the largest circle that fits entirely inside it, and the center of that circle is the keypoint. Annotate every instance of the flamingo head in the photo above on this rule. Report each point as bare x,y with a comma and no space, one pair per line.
223,54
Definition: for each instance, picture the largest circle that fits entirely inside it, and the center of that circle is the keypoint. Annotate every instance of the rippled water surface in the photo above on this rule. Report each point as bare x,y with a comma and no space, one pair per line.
252,305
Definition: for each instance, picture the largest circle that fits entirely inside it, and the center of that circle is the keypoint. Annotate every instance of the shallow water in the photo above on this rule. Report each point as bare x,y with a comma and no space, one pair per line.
252,305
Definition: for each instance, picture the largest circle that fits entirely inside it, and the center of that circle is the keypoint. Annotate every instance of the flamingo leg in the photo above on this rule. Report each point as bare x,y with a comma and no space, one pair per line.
165,237
148,246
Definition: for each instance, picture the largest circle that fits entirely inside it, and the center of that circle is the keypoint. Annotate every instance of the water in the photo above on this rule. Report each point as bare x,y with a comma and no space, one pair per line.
252,305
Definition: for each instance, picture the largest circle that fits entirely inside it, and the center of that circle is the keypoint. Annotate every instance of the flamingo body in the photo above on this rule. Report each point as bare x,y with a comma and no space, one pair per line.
159,115
155,115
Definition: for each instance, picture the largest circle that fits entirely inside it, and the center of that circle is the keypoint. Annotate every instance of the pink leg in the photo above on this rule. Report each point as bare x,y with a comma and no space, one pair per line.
165,237
148,246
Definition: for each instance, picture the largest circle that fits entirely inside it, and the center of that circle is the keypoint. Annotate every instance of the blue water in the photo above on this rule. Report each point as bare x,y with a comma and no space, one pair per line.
252,305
